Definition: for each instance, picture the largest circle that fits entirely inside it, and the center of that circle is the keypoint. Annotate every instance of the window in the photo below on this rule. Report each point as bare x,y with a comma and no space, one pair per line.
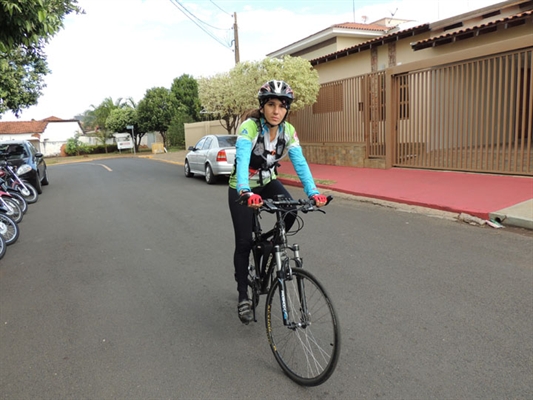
207,143
227,141
200,144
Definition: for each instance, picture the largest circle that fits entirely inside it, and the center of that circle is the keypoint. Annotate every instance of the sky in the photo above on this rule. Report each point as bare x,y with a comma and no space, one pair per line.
122,48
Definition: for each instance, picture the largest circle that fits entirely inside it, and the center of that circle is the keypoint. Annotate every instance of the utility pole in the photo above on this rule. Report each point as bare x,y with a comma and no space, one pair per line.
236,39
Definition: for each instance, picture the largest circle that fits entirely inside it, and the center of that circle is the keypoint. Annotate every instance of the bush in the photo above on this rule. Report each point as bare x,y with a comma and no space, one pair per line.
101,149
76,148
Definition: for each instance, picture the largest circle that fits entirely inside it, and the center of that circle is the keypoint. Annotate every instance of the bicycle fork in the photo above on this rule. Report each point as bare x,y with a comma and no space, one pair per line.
284,273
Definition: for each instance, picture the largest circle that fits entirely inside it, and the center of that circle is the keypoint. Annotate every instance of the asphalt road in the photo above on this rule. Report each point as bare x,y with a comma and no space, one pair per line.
121,287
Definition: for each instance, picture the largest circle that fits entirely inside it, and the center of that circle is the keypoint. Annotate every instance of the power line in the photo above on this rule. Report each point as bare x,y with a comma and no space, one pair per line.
221,8
192,17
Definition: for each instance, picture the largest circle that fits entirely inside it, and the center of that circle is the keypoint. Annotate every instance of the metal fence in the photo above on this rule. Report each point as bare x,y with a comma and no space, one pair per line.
470,116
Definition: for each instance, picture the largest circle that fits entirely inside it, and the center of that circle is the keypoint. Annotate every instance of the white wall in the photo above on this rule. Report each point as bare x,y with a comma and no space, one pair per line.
56,135
60,131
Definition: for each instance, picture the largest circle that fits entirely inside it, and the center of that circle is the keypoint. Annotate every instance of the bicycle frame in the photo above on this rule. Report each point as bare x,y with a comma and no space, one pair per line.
279,260
305,336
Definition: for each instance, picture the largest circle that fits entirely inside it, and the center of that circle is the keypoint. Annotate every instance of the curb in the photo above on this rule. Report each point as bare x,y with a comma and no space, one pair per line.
438,212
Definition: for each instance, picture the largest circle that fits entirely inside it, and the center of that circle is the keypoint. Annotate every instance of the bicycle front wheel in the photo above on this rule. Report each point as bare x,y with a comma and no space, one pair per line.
308,347
8,229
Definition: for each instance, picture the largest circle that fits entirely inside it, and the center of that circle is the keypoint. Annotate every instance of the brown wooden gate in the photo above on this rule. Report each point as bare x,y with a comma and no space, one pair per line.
470,116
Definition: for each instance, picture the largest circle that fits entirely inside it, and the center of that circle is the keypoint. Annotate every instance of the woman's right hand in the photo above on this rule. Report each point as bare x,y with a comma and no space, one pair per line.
250,199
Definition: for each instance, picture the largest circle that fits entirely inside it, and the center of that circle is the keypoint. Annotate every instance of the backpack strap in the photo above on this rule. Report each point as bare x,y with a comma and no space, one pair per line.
280,146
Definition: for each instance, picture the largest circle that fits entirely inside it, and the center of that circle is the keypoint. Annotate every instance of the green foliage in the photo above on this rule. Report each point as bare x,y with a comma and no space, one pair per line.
156,111
25,27
120,118
101,149
185,88
76,148
176,130
229,95
22,74
30,23
220,99
96,118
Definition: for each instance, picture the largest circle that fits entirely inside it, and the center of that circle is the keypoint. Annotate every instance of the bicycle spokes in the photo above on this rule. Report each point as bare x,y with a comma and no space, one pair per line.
306,341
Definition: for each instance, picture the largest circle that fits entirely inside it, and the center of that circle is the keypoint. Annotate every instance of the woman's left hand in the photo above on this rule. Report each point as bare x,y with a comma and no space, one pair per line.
320,200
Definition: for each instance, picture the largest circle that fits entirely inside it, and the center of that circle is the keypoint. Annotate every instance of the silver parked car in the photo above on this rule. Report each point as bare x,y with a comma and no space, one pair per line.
211,157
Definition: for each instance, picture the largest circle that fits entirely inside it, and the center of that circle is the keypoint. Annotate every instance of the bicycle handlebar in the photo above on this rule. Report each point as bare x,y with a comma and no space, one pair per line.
282,204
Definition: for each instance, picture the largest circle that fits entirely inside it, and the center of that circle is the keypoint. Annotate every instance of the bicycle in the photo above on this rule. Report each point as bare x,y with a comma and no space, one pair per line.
301,323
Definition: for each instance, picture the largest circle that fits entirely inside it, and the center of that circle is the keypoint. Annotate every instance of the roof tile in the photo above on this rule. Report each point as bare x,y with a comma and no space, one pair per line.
20,127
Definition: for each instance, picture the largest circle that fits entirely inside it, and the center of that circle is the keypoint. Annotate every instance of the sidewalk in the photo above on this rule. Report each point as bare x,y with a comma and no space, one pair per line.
474,197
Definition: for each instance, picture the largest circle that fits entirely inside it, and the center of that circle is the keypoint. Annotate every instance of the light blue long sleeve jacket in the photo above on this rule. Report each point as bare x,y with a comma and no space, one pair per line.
248,134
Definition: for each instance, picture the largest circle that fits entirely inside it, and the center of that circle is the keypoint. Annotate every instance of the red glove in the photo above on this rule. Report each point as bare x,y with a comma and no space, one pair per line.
320,199
250,199
254,200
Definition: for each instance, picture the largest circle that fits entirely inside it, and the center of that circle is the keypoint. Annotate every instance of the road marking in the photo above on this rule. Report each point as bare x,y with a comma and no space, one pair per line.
102,165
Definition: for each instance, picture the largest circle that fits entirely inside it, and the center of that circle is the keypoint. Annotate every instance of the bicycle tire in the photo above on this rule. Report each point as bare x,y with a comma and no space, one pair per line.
8,229
15,212
3,247
253,294
20,200
308,354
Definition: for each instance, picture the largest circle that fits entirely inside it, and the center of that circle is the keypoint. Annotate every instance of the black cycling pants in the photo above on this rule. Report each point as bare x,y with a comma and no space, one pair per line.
242,217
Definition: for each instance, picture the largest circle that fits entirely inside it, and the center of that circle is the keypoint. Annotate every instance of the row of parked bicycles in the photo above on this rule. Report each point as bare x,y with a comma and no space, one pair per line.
15,195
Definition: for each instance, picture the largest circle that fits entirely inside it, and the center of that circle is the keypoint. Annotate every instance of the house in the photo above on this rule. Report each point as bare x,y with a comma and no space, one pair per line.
456,94
47,135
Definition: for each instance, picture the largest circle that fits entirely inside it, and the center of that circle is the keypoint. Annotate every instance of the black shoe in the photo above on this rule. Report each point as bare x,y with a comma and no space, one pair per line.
245,311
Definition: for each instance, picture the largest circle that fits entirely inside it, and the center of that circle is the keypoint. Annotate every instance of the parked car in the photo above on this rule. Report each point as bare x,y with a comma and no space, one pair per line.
29,162
211,157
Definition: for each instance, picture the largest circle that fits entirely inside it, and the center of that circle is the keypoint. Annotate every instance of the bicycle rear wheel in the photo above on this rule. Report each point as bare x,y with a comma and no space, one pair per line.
308,348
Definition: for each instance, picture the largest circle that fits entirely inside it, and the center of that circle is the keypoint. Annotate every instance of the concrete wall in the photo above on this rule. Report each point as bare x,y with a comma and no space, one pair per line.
195,131
341,154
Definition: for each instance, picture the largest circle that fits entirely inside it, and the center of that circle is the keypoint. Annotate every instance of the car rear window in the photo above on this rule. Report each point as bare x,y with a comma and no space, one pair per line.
227,141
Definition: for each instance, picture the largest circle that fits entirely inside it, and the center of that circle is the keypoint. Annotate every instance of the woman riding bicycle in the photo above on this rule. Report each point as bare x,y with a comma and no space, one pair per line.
263,139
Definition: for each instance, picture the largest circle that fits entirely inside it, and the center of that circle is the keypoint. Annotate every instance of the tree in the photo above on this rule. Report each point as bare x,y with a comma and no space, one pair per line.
26,26
22,74
219,100
29,23
185,88
118,121
229,95
97,118
156,111
176,130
